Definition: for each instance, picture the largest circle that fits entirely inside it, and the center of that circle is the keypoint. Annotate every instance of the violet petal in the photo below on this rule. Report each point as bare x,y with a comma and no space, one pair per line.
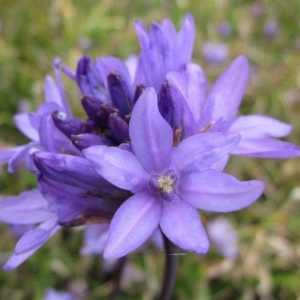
266,148
229,89
133,223
181,223
203,148
255,126
27,208
151,136
119,167
218,192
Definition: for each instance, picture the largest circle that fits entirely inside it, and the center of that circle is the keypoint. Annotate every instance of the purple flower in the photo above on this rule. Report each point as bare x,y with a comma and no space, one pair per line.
168,182
224,29
38,126
163,50
29,208
223,237
52,294
217,108
215,53
270,29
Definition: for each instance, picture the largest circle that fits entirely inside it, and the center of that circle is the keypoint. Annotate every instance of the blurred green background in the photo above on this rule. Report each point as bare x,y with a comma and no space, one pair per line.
32,33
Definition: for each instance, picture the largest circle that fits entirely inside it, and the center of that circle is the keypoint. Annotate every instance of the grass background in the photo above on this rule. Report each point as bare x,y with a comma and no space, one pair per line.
33,32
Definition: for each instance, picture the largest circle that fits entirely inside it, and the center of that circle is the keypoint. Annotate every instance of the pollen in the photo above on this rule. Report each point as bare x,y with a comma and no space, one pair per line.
166,184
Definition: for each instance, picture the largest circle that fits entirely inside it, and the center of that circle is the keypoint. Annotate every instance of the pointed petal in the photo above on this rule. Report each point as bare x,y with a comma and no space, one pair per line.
48,228
229,89
21,156
151,136
181,224
133,223
7,154
51,91
27,208
151,59
23,123
185,41
266,148
36,237
203,148
197,89
255,126
119,167
218,192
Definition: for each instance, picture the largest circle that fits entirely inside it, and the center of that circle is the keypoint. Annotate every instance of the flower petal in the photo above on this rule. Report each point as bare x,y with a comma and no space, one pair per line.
7,154
120,167
185,42
229,89
23,123
203,149
48,229
182,225
27,208
266,148
132,225
255,126
218,192
151,136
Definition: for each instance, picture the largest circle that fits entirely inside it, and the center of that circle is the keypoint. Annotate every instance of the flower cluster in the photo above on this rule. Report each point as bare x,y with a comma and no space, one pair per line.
150,152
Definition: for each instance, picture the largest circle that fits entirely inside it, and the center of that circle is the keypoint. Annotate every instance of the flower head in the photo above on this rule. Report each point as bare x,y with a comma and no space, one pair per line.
168,182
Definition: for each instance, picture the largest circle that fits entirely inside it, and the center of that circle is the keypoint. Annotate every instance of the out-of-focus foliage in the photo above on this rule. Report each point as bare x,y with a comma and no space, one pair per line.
33,32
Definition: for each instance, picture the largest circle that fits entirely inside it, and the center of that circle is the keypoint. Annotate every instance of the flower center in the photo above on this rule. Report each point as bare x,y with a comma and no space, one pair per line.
164,183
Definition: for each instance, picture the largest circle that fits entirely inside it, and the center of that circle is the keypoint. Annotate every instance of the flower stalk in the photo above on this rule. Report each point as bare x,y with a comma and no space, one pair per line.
170,270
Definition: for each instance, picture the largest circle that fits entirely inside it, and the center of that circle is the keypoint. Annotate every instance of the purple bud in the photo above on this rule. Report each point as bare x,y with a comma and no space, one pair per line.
170,105
271,29
215,53
138,92
257,9
97,111
223,236
119,93
85,140
71,170
118,128
224,29
88,80
68,125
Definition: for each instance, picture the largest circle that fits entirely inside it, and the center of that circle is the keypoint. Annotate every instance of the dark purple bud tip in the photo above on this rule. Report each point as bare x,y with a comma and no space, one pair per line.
170,104
83,68
138,92
86,140
68,125
119,93
118,128
97,111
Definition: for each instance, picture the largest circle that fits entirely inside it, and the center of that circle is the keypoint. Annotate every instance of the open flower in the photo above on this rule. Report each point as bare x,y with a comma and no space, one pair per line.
215,109
168,182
